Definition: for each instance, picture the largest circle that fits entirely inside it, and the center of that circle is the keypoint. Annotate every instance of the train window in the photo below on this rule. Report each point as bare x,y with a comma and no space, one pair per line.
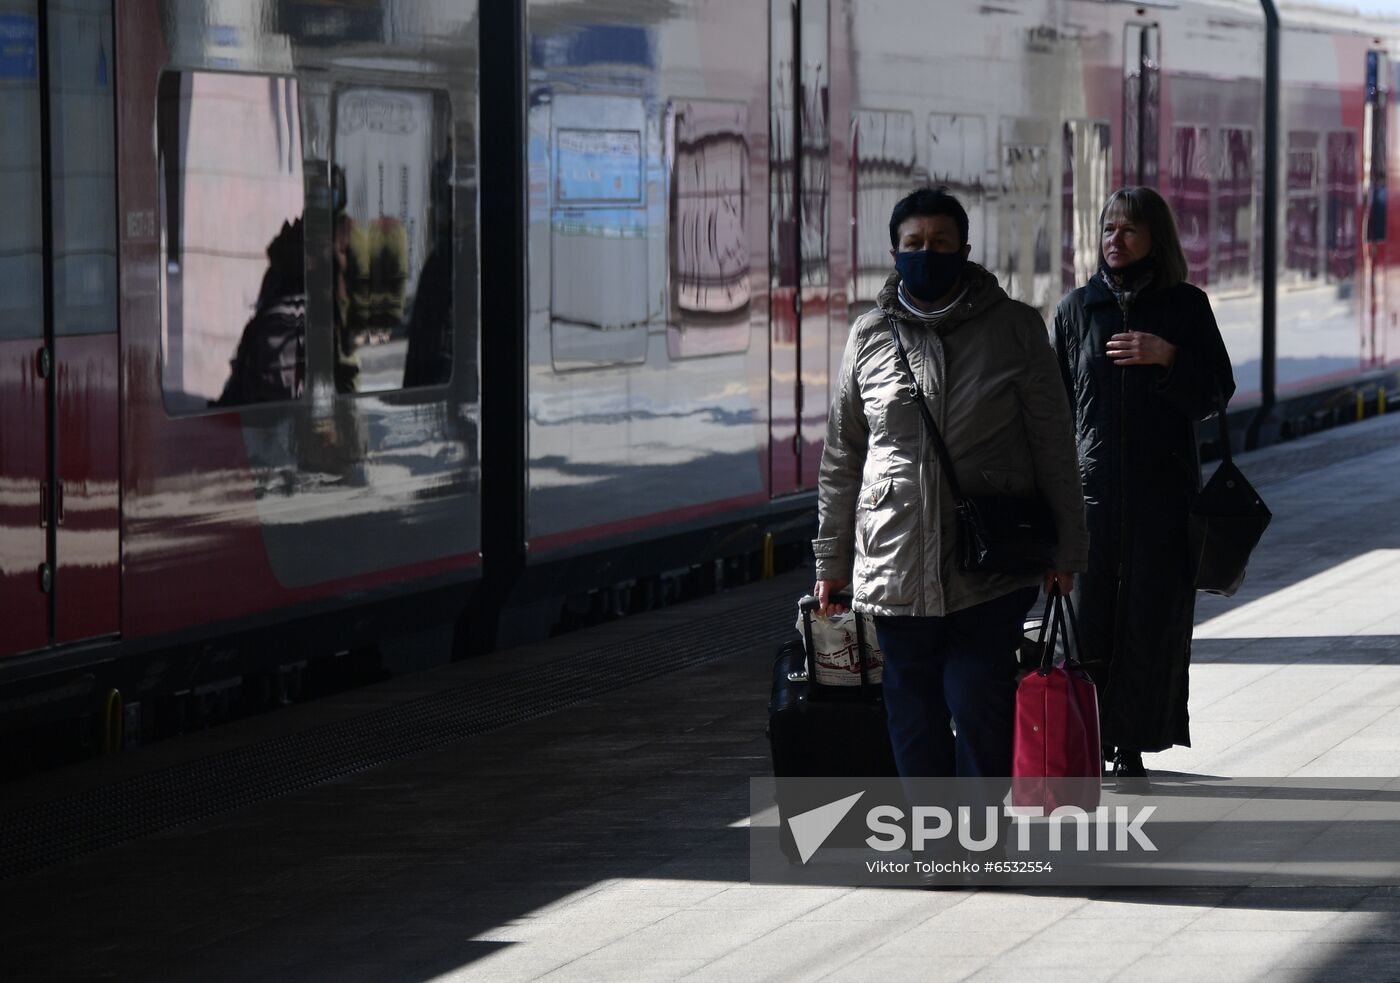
391,181
1189,192
1234,204
1342,190
1084,187
709,236
1023,215
84,179
882,148
233,262
22,231
957,157
1302,254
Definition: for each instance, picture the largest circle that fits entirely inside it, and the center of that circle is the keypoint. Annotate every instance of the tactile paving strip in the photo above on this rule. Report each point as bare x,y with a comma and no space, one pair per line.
52,832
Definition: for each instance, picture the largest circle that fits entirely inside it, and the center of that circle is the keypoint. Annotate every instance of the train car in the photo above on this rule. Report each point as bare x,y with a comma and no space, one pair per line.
418,329
1337,321
240,374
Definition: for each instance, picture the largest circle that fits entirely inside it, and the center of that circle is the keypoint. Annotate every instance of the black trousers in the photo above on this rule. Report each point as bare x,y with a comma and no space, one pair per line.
956,670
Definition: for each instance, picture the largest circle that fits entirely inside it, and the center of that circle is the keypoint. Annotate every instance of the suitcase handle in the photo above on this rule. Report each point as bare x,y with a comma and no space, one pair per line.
810,603
807,605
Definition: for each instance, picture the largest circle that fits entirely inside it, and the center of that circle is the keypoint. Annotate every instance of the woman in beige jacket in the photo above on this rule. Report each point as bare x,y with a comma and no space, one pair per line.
986,369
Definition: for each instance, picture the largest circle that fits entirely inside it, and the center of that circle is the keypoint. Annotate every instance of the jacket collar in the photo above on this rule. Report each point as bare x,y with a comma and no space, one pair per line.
1096,293
983,292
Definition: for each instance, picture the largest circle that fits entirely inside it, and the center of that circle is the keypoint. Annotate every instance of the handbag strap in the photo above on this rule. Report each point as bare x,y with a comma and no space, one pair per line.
917,393
1059,616
1220,419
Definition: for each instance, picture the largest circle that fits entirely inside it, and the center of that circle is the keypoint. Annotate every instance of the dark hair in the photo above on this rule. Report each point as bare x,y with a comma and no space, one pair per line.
1145,206
928,201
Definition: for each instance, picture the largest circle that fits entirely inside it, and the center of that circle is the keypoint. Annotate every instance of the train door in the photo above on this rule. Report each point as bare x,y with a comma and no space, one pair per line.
59,506
799,209
1375,197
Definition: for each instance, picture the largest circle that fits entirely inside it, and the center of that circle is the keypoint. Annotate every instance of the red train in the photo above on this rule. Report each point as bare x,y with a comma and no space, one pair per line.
409,328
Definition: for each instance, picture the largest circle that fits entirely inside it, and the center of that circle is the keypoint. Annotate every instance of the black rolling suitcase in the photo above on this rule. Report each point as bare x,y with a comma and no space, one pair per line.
817,730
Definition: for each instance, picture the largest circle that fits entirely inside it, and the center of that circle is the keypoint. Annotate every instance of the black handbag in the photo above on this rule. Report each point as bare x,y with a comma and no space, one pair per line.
1227,520
995,533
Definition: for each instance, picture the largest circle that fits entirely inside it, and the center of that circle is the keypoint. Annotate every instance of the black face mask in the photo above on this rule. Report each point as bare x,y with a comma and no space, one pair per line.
928,275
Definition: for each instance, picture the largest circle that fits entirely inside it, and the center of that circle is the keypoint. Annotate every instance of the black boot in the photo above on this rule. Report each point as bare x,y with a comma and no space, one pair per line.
1130,773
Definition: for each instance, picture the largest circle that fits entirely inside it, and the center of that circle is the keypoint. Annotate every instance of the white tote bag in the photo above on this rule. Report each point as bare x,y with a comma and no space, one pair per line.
836,661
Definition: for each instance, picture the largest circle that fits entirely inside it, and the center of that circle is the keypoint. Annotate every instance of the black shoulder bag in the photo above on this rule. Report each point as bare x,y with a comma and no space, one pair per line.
996,533
1227,520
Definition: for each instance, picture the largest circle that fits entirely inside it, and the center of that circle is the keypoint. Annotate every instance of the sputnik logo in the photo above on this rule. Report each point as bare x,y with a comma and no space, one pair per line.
811,828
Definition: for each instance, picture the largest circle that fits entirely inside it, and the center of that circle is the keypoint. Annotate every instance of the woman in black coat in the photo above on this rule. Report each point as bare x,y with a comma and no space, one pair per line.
1142,359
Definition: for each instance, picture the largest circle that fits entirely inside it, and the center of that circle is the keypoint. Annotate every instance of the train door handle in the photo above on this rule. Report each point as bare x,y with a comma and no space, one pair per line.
43,505
60,502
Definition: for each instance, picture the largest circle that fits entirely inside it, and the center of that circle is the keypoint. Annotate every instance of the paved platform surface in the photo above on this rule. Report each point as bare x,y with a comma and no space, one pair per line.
607,840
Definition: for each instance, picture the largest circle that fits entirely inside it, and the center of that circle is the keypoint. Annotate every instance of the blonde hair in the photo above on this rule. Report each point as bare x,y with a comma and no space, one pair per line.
1145,206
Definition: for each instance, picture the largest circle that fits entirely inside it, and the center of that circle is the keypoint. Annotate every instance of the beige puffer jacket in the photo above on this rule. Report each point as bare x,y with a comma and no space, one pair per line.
886,514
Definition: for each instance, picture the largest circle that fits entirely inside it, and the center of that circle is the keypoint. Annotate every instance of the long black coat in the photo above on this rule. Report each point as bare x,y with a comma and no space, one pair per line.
1138,459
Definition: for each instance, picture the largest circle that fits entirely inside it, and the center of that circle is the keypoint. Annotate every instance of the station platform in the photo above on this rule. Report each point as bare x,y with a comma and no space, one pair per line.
578,809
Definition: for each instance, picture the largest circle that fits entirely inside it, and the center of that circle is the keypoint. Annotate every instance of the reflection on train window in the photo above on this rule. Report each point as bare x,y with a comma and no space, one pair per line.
391,183
816,166
598,167
1377,92
799,177
22,231
709,241
1302,255
1142,102
1189,193
882,161
84,176
1023,218
1084,188
1342,191
601,289
957,157
782,173
233,260
1234,204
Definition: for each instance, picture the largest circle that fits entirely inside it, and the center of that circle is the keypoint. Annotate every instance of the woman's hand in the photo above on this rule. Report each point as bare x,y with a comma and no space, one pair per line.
1141,348
823,592
1065,578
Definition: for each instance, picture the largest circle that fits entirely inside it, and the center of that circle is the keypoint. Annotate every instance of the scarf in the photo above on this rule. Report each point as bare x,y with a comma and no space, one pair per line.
929,318
1128,283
